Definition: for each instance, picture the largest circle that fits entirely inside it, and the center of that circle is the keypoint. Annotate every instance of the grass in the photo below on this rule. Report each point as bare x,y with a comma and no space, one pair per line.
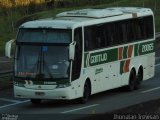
7,31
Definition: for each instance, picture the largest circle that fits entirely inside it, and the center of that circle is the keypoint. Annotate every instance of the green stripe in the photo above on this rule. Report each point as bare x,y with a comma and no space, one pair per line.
102,57
85,60
125,51
147,47
106,56
136,49
144,48
121,66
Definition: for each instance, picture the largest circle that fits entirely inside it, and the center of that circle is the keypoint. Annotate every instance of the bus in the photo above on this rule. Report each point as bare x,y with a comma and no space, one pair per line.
83,52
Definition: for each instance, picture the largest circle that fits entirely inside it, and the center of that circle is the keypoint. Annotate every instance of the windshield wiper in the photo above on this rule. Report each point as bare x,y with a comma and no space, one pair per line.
39,69
44,65
41,65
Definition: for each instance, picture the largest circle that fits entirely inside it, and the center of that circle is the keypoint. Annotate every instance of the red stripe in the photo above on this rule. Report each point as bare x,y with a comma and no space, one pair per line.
126,66
120,53
130,49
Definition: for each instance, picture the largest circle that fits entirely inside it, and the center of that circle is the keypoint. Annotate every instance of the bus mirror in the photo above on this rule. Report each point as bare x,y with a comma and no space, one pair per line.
8,48
72,50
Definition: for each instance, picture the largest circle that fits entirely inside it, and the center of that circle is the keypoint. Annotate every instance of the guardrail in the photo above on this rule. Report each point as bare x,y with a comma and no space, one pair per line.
158,35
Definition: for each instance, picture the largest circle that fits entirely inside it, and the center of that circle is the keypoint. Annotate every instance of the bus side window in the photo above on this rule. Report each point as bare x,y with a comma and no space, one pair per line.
76,69
89,38
149,26
112,34
130,31
140,29
143,29
100,36
107,35
120,32
124,32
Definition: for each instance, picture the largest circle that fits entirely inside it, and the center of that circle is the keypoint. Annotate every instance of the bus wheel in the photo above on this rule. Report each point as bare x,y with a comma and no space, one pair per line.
139,78
132,80
35,101
86,93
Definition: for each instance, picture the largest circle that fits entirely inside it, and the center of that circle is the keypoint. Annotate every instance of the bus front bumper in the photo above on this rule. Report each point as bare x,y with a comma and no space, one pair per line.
57,93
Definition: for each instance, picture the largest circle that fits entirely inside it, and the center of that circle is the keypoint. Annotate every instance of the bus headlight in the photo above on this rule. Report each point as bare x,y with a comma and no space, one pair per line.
63,85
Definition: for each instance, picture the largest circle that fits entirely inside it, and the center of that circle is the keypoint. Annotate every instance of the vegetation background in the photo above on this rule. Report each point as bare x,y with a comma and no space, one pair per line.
15,12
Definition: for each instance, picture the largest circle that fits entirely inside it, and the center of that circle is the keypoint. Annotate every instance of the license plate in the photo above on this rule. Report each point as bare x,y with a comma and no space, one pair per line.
39,93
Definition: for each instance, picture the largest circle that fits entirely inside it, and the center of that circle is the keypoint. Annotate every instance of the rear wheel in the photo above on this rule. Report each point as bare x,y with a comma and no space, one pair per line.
35,101
86,93
132,81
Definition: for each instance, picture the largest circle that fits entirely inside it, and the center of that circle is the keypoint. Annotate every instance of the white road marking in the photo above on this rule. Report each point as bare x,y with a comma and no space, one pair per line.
150,90
9,100
79,108
14,104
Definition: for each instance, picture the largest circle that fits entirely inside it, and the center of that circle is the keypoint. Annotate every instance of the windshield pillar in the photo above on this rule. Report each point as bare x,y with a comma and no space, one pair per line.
77,63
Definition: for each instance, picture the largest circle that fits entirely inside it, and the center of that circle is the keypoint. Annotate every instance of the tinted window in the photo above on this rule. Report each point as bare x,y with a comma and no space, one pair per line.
118,32
44,35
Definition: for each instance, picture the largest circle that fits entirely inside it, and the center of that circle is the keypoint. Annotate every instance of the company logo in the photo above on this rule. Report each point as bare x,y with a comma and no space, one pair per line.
98,58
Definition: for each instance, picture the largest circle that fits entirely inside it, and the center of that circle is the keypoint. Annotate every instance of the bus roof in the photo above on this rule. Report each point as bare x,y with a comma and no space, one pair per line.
71,19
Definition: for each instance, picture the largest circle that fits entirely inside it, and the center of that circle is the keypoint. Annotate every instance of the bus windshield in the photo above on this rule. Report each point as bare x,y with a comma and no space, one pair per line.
42,62
44,35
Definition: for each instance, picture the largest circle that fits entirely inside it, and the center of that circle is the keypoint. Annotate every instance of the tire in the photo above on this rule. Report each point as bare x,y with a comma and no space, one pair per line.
35,101
139,78
86,93
132,81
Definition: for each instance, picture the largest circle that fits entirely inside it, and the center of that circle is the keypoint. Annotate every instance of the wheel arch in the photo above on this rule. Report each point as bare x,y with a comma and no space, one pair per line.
90,84
140,68
134,69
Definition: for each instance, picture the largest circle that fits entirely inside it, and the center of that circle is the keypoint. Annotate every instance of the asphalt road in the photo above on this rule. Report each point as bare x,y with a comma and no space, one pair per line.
67,110
6,64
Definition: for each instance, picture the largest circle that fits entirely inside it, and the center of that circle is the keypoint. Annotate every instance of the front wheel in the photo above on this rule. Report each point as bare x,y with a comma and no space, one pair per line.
86,93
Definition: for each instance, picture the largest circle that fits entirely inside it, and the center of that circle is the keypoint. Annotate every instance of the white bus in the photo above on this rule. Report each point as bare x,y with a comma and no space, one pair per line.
83,52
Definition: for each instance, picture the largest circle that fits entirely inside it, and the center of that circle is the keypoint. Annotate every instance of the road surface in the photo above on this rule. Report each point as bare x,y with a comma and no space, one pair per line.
67,110
6,64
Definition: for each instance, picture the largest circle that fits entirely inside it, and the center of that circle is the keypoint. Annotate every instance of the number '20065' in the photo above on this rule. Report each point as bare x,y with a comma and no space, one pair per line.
148,47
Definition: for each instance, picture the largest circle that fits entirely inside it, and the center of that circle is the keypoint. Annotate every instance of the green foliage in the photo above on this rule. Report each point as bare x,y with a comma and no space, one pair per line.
14,14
